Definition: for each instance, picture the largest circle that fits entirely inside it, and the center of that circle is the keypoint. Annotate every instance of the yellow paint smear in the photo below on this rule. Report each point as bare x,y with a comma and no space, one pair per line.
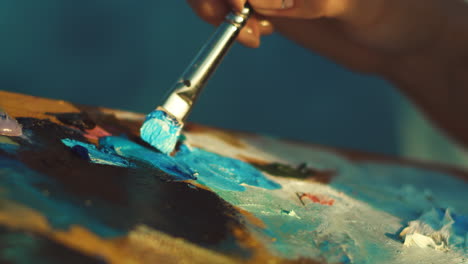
19,105
143,245
7,140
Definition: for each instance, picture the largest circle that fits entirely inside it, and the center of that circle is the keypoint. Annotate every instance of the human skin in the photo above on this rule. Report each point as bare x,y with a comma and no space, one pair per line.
421,46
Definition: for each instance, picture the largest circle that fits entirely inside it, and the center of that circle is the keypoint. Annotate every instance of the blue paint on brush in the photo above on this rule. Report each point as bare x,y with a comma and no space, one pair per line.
98,156
129,149
221,172
161,131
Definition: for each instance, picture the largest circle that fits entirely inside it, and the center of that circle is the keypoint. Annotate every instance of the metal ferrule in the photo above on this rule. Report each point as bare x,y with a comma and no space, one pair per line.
189,86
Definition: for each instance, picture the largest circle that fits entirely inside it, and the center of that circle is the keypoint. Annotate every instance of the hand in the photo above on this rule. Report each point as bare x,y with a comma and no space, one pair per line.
421,46
214,12
364,35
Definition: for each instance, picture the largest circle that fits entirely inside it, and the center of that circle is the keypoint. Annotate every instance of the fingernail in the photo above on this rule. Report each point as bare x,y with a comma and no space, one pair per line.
266,27
287,4
249,37
265,23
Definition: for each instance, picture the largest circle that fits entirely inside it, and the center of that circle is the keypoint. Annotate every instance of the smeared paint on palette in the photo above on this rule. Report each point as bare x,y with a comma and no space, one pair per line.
71,192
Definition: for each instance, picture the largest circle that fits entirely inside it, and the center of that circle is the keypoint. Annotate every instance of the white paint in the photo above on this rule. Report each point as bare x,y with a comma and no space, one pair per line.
421,241
429,231
372,202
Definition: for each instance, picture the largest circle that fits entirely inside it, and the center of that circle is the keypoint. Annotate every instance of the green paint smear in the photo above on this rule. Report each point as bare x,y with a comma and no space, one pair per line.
285,170
301,171
7,140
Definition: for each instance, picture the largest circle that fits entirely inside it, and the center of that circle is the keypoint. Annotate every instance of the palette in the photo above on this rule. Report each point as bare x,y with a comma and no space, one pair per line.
80,186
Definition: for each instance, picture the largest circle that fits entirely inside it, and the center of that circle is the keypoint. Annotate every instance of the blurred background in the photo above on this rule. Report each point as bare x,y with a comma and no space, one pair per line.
126,54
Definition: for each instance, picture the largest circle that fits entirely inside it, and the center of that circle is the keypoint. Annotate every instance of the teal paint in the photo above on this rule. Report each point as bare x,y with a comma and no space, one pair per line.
221,172
98,156
210,169
130,150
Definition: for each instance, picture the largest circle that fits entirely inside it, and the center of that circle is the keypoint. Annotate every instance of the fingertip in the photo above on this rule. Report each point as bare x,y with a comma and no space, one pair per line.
266,27
237,5
303,9
250,34
249,38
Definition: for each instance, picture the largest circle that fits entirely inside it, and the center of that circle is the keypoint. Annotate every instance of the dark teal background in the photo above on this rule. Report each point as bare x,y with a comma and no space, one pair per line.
126,54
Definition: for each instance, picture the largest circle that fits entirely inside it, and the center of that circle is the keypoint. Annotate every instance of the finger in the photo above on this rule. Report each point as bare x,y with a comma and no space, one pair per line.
265,26
237,4
272,4
301,8
212,11
250,34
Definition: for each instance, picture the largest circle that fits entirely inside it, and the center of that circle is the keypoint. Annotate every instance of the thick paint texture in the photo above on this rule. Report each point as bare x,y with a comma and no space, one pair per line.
208,168
356,218
98,156
437,229
64,186
9,126
131,150
221,172
161,131
372,204
79,120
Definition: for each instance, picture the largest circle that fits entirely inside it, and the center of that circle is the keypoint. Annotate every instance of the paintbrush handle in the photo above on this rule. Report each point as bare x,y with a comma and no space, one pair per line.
194,78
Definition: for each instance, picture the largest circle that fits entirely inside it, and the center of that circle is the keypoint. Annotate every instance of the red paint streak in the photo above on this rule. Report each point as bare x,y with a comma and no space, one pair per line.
320,199
96,133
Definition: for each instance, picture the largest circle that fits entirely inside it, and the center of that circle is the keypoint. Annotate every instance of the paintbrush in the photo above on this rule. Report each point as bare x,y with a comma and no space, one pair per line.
163,126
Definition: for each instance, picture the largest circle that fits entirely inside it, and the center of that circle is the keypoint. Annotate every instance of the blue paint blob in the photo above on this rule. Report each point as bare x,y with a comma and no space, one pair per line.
90,152
221,172
207,168
81,151
129,149
161,131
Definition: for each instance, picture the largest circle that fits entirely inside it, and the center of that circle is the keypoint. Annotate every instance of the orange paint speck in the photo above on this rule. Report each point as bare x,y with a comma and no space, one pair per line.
320,199
96,133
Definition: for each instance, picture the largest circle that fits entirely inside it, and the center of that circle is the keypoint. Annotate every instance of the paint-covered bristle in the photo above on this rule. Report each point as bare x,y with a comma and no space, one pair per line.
161,130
